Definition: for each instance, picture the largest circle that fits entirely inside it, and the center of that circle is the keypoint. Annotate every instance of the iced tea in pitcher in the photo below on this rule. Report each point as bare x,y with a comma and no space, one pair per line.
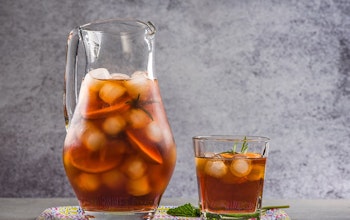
119,152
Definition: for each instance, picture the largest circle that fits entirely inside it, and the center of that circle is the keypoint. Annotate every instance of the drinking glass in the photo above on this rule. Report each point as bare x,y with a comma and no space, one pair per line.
230,175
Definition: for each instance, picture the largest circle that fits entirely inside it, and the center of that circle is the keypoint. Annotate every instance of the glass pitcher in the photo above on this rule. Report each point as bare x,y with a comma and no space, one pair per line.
119,152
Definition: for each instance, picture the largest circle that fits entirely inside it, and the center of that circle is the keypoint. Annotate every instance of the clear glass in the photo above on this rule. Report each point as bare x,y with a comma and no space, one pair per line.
119,152
230,175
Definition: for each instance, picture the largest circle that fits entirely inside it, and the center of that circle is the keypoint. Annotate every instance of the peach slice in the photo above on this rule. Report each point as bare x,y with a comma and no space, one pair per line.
256,173
252,155
200,164
227,155
120,106
148,149
97,161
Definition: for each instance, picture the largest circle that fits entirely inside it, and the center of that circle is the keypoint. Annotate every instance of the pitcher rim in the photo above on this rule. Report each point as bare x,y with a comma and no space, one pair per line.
149,26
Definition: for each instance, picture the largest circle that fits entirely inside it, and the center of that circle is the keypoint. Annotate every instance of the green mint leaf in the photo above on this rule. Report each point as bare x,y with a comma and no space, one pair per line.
186,210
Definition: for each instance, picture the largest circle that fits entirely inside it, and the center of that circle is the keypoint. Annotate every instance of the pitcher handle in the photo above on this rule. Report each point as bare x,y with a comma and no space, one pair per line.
70,96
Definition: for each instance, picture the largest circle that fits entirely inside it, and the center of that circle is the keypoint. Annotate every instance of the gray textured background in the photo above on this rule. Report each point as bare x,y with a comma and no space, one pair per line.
275,68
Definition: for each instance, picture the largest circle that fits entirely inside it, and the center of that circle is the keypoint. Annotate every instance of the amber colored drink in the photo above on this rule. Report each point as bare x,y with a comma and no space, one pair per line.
119,152
230,182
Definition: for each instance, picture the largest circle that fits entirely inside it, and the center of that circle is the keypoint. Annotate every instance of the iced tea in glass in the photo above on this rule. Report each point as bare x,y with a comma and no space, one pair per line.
230,175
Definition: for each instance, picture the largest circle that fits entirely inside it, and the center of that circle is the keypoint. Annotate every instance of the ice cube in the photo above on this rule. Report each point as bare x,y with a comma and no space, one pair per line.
209,154
135,167
240,167
110,92
114,125
93,79
100,73
121,76
139,187
114,179
93,139
154,132
215,168
138,118
138,85
88,182
137,74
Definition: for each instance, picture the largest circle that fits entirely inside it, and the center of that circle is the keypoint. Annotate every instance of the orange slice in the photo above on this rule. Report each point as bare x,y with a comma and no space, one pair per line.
98,161
227,155
256,173
252,155
147,149
103,112
200,164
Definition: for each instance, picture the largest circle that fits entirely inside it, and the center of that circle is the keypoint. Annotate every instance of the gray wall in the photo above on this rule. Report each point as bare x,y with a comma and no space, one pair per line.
275,68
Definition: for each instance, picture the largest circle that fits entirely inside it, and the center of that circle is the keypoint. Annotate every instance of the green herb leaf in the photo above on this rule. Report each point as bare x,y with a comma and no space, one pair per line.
244,148
137,104
231,216
265,208
234,148
186,210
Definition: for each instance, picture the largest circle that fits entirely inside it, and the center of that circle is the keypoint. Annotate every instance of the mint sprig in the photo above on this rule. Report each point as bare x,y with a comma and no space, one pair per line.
188,210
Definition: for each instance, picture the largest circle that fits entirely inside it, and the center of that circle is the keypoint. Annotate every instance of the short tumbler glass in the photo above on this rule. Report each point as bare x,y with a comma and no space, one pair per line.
230,175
